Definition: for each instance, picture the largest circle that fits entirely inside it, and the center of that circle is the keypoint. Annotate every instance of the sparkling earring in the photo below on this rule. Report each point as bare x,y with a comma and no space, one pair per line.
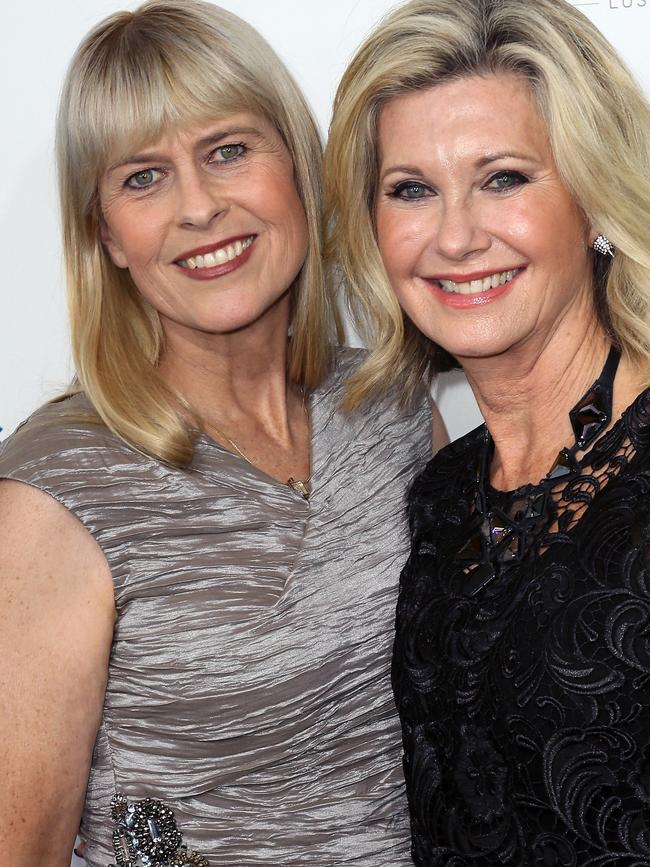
604,246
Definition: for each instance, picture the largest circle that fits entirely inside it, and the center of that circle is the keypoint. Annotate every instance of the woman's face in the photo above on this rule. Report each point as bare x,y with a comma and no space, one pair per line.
209,223
483,244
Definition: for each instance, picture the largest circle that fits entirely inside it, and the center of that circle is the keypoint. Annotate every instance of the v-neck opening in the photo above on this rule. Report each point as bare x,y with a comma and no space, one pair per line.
268,479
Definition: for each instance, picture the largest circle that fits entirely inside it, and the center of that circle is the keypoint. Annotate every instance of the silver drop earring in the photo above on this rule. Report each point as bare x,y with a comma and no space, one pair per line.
604,246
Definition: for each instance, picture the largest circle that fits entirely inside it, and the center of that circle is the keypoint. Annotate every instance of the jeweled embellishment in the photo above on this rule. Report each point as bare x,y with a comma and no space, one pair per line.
503,536
146,835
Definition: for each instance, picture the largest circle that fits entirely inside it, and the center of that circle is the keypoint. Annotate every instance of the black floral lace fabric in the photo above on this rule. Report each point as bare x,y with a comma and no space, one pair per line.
525,708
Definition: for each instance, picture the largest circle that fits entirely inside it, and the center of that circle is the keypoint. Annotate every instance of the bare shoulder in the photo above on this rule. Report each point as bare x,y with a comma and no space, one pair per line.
56,622
39,536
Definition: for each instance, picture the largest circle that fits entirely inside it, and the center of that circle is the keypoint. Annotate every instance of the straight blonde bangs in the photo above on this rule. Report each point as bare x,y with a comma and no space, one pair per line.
138,75
599,128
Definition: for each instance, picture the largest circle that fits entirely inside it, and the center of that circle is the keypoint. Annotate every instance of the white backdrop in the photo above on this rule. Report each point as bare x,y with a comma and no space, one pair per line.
314,38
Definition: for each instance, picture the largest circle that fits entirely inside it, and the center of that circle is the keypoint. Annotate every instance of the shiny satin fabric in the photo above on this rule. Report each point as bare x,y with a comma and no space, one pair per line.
249,679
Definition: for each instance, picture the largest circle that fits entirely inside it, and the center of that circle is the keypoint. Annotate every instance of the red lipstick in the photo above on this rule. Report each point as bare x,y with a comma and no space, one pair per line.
211,248
212,271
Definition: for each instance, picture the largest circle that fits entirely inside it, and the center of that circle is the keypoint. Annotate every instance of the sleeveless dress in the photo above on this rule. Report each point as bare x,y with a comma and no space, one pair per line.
525,697
249,679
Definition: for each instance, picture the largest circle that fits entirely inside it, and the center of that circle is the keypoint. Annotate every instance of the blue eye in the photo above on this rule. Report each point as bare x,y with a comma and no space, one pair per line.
142,179
229,152
506,180
410,190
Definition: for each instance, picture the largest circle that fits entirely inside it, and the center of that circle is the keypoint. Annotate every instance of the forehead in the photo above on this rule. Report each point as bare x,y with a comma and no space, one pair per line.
474,112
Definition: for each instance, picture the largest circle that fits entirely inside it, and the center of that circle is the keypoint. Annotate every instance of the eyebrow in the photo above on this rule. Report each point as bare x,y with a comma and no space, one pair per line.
204,142
502,155
403,170
480,163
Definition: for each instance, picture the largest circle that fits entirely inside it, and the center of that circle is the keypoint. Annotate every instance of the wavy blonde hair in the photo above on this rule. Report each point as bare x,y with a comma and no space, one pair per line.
170,63
599,128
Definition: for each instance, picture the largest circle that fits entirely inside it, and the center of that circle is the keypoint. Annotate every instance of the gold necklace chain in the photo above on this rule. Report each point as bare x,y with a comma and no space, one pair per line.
300,486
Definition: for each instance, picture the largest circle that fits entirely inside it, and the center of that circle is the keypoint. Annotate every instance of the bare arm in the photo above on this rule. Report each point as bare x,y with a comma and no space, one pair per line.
439,436
56,623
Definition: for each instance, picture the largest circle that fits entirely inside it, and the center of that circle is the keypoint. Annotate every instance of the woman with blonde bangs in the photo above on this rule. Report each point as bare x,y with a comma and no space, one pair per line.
198,547
489,197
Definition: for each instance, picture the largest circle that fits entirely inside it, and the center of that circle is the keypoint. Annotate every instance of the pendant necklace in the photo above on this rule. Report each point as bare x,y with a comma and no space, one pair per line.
503,536
300,486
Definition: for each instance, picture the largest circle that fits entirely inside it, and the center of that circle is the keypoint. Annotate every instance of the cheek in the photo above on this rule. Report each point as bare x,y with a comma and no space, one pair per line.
146,235
570,233
542,230
138,235
275,200
298,223
388,245
400,239
522,227
291,218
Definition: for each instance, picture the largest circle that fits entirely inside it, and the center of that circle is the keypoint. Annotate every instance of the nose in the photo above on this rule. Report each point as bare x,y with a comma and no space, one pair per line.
199,200
459,231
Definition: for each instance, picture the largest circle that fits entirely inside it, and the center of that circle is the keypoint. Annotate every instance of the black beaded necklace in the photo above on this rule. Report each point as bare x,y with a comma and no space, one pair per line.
503,536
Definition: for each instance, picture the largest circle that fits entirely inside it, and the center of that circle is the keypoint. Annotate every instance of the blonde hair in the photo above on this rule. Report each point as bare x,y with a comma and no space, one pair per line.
599,128
169,63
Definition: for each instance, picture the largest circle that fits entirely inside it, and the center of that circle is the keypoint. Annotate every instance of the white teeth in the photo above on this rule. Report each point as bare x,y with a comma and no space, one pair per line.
473,287
217,257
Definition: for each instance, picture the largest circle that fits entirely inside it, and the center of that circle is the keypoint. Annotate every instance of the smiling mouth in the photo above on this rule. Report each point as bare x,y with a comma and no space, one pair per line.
218,256
476,287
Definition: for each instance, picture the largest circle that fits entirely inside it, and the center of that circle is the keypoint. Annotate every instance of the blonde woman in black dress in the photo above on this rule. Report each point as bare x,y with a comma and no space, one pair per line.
489,164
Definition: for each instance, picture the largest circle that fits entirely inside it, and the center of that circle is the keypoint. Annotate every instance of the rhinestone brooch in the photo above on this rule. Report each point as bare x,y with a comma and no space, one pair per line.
145,834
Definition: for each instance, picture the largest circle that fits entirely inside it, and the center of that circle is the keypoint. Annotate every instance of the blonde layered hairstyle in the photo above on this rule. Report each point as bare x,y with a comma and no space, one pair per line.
598,124
171,63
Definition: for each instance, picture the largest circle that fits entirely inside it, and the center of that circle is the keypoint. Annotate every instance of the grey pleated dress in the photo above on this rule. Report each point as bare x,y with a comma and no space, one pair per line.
248,686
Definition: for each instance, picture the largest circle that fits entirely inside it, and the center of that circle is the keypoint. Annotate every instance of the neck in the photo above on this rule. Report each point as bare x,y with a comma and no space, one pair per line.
227,378
526,395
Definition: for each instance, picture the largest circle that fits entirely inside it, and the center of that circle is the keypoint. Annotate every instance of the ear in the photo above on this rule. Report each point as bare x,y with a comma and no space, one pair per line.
112,247
592,233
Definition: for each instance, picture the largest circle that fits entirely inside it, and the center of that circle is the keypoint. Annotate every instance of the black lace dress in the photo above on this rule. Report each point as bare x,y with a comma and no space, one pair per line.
525,707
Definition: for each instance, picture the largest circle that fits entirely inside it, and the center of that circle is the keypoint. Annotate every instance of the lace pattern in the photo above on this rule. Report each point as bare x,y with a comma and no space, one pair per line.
525,707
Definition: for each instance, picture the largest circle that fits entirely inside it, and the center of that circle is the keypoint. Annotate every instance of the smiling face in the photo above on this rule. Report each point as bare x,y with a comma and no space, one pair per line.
209,223
483,245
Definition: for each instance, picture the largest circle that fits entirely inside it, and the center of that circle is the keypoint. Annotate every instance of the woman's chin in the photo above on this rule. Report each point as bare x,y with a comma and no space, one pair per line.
224,319
471,348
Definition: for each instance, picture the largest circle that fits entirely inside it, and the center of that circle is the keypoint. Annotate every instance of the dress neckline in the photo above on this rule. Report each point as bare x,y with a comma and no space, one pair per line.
589,456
